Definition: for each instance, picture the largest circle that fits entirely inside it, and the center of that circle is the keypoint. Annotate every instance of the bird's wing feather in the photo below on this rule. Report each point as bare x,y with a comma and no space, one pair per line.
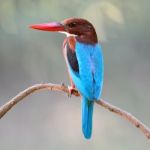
90,68
97,59
85,65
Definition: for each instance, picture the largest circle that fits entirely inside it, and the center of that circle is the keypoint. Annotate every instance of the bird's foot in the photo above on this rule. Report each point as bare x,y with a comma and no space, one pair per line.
72,91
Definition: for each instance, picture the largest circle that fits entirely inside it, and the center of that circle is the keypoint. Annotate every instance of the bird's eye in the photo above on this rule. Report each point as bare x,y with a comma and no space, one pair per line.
71,25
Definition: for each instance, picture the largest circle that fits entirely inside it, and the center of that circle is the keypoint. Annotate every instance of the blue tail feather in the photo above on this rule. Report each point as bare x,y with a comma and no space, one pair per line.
87,115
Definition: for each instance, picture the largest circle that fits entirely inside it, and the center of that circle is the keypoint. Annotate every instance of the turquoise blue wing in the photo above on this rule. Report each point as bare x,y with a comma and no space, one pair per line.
89,77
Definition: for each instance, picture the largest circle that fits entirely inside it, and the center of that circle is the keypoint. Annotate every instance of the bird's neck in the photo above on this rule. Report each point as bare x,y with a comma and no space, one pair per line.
88,38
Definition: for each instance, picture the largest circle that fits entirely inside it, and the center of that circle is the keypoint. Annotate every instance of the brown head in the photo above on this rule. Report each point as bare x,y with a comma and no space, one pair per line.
81,28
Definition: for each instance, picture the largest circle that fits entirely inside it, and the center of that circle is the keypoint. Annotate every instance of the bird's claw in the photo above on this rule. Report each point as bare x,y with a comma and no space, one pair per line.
71,90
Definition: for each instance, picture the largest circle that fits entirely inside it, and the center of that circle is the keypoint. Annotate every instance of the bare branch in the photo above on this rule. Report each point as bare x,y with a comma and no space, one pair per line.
53,87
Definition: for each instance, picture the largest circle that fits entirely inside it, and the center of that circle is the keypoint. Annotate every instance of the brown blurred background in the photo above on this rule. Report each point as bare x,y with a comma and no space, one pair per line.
51,120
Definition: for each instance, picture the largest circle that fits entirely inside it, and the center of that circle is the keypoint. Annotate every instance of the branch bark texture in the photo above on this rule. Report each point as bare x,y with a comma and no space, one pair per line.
54,87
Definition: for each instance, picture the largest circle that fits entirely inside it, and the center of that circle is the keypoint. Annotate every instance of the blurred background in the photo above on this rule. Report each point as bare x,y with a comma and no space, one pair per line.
51,120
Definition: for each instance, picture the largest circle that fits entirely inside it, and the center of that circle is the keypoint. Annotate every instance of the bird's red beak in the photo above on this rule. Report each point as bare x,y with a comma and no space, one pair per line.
54,27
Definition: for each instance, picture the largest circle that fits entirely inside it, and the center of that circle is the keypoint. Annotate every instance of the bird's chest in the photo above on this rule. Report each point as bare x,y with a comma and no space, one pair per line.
70,53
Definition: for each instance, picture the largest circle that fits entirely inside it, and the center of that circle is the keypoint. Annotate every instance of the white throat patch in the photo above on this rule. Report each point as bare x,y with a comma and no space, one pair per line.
67,34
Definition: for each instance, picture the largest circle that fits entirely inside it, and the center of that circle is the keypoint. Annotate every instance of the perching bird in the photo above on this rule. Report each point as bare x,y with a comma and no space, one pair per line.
84,60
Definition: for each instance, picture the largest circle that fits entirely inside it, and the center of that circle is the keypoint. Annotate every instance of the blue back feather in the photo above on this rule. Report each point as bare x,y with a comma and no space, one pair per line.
90,62
88,81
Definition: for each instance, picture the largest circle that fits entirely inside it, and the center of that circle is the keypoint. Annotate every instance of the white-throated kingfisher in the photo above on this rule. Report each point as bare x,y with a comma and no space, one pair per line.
84,61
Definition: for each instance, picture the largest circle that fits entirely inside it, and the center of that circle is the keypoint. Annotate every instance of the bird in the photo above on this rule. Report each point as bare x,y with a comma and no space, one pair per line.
84,59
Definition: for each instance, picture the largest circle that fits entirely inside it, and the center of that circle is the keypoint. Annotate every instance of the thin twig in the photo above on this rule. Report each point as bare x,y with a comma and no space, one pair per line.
54,87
